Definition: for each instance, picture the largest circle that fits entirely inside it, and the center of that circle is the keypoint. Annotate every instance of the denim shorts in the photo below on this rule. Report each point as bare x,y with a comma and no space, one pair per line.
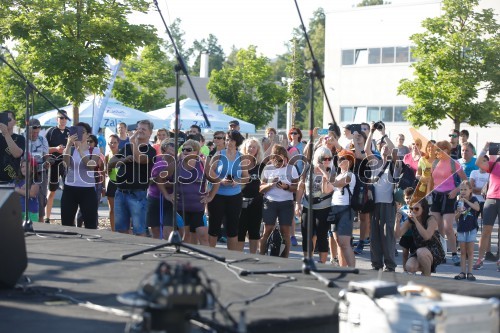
467,236
131,206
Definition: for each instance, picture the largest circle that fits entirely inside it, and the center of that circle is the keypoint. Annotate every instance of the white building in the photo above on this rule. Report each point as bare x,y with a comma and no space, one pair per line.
367,53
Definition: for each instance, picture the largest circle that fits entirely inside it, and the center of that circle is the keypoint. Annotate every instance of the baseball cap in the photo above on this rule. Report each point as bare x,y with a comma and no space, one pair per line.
34,122
234,122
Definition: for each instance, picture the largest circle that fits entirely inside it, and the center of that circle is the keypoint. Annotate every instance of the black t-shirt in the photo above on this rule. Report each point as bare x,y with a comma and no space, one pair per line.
133,175
251,190
181,138
9,165
56,137
456,153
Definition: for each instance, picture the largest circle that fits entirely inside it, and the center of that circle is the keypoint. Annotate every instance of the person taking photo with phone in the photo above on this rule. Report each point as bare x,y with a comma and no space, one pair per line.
11,147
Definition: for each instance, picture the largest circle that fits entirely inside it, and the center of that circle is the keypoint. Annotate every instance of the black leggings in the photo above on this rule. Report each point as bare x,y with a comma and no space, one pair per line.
320,228
83,197
250,220
224,206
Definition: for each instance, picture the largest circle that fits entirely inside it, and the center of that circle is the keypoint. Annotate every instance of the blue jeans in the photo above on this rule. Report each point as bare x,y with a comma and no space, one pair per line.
131,205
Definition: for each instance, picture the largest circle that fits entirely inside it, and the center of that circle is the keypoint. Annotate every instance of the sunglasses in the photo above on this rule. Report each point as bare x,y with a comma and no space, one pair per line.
61,117
415,209
294,133
35,127
218,138
187,150
453,135
326,159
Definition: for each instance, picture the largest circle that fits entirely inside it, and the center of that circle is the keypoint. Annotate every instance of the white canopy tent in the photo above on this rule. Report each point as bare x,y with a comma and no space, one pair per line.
114,114
191,115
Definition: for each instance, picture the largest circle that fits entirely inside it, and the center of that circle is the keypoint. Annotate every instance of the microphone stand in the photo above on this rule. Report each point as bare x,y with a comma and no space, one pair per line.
175,238
30,88
308,265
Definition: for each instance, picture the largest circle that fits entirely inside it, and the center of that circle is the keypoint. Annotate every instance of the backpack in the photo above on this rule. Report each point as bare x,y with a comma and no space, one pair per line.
362,197
406,179
275,243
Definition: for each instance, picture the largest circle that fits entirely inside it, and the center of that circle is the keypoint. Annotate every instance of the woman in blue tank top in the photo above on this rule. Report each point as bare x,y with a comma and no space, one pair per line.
226,170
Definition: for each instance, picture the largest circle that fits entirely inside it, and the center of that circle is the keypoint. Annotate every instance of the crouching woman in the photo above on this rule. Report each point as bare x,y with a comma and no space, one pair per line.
425,233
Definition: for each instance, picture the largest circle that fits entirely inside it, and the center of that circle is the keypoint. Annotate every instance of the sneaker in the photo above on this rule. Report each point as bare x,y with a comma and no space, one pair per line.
293,240
478,264
359,248
389,270
335,262
490,257
456,260
47,220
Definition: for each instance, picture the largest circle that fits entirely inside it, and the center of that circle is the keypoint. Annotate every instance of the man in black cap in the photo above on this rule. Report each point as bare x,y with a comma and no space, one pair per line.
57,137
11,148
39,150
234,125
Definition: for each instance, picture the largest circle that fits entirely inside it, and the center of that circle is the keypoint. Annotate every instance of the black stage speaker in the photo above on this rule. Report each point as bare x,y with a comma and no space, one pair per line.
13,260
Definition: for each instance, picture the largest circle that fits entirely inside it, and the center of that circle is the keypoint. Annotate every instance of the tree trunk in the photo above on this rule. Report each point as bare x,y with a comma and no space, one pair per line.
456,121
76,115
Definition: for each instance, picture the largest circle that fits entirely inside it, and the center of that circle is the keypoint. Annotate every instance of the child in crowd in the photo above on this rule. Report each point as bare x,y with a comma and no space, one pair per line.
467,209
406,241
20,188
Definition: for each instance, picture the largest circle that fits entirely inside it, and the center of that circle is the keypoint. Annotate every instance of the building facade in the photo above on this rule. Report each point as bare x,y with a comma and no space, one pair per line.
367,52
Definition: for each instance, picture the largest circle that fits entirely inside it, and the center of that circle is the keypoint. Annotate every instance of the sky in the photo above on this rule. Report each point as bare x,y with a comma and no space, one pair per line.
268,24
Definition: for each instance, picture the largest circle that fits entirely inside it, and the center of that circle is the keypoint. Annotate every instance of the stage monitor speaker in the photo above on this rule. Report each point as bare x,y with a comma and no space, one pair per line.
13,259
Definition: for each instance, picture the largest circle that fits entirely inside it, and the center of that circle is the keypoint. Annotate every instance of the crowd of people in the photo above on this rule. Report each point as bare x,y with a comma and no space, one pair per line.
427,196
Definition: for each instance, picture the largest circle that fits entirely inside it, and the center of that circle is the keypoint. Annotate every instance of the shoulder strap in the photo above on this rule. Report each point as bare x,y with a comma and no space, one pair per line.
453,166
494,163
383,169
434,164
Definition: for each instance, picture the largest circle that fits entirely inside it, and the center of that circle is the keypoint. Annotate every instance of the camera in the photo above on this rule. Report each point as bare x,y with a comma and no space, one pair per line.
494,148
379,125
354,128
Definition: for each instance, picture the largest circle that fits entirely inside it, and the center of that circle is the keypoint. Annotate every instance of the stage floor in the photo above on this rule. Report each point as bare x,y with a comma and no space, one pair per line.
75,281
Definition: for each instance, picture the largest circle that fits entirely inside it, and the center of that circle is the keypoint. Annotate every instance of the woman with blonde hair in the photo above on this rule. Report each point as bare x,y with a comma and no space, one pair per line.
251,209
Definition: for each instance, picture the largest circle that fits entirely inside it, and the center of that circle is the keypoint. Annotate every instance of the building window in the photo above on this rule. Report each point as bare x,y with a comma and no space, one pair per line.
388,55
402,54
361,56
347,114
373,113
386,114
398,113
374,55
347,57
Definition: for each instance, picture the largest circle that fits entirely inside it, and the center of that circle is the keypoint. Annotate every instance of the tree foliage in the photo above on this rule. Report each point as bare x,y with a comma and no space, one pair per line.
303,62
215,54
12,95
457,74
145,79
246,88
66,42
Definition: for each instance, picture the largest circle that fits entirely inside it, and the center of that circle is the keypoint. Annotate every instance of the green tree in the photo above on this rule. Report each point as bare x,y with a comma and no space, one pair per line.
66,42
178,37
145,79
12,95
456,75
247,89
316,33
215,54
